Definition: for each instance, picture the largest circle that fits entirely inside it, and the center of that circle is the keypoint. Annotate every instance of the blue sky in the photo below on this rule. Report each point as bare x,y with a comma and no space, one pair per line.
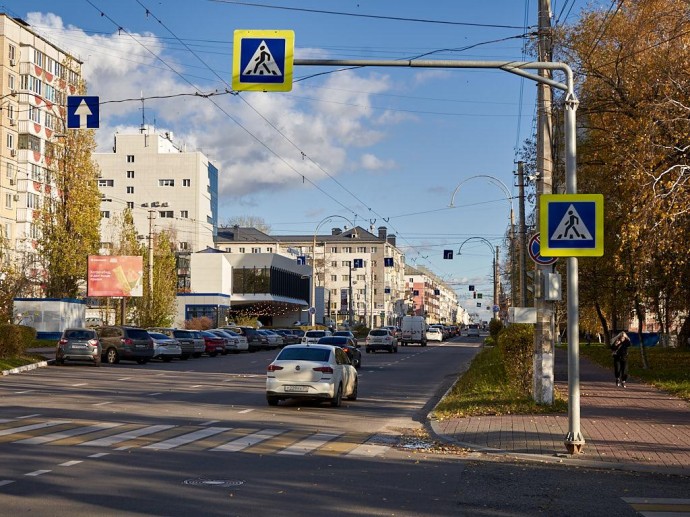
380,146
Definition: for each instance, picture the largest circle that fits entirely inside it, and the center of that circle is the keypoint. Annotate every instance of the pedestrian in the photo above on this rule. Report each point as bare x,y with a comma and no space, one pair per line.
619,351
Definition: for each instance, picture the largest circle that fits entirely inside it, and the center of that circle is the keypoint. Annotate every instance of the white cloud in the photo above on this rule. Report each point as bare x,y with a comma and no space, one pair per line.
251,155
427,76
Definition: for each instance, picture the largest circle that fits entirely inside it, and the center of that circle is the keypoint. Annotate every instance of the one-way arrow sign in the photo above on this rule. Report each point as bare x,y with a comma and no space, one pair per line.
82,112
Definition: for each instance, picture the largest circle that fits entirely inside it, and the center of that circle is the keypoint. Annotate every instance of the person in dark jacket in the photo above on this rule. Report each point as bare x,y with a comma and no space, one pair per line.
619,347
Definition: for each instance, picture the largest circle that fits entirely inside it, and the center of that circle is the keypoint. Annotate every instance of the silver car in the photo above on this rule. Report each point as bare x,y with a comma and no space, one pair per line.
78,344
165,347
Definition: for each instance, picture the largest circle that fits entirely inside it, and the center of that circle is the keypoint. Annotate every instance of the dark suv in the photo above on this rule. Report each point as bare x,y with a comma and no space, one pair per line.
132,343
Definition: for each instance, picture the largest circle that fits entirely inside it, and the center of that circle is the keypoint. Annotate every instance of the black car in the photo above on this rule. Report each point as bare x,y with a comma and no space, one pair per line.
348,345
119,342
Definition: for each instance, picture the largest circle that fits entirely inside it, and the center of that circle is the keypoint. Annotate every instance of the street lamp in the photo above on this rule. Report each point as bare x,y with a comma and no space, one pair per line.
312,311
495,264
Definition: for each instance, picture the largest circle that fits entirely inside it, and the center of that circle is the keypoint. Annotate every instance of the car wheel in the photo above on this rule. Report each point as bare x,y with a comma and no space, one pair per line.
353,395
272,401
395,349
338,399
111,356
184,357
141,360
390,350
423,343
213,354
358,365
197,354
167,358
368,351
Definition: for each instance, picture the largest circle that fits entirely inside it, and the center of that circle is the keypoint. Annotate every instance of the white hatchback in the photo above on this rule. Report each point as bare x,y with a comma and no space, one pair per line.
434,334
311,372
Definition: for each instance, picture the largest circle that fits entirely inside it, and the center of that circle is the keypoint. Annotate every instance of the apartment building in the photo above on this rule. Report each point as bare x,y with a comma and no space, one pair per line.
165,186
36,77
429,296
359,273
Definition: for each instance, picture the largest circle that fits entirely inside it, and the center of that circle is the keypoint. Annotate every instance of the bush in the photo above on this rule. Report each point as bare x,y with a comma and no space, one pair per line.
202,323
516,343
14,339
495,327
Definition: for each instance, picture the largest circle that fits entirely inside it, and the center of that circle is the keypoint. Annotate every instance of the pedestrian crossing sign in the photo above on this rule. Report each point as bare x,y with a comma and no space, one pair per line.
573,224
262,60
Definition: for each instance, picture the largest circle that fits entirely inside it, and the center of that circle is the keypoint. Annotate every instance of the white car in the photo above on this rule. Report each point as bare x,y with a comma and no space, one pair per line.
434,334
274,340
381,339
473,331
311,372
313,336
233,342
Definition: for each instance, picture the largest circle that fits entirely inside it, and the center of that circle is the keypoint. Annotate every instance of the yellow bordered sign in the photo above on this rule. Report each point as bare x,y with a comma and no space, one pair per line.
262,60
571,225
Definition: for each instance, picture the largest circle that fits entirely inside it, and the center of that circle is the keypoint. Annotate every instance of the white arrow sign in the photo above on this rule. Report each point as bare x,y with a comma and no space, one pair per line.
83,112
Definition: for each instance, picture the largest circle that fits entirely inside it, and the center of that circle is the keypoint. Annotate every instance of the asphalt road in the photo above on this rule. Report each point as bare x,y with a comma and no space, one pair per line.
197,438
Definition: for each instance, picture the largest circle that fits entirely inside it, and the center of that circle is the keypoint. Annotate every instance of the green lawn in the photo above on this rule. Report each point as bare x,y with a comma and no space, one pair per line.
484,390
669,368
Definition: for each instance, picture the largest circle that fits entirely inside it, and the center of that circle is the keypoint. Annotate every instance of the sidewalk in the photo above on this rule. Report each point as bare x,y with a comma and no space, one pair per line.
639,427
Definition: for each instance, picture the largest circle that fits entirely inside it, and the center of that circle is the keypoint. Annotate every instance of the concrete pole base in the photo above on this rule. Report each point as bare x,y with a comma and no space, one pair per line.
574,443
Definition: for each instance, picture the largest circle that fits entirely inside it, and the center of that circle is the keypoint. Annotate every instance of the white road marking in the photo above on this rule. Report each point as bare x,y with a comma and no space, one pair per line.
154,394
15,430
5,420
124,379
197,386
22,392
187,438
249,440
99,455
368,450
210,422
102,403
68,434
309,444
79,384
37,473
69,463
245,411
6,482
28,416
129,435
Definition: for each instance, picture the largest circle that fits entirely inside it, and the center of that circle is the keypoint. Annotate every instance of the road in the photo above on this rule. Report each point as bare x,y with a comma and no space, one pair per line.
197,438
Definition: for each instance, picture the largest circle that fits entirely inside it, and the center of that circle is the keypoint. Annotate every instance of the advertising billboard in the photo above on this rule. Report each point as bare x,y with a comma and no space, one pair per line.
115,275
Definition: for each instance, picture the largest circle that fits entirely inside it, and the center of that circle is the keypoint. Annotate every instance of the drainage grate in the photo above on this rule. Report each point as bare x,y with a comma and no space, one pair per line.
216,483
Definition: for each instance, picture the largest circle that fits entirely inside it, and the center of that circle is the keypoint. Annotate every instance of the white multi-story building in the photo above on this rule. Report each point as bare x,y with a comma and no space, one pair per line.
177,189
35,79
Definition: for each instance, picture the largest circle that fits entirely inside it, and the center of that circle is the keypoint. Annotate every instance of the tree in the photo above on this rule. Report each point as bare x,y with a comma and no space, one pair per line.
70,217
249,221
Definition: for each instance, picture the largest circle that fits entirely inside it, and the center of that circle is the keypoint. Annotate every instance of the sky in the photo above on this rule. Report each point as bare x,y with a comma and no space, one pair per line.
376,146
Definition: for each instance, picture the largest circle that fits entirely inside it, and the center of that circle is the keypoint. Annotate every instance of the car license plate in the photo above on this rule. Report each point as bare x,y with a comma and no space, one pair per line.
297,389
78,346
140,346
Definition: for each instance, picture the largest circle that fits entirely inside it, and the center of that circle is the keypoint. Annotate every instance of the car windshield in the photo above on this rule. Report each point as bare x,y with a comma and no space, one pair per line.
156,335
304,354
333,340
378,333
346,333
137,334
80,334
315,333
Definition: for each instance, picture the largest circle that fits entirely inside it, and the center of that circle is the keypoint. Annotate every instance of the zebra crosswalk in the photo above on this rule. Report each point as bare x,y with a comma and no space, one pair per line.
165,437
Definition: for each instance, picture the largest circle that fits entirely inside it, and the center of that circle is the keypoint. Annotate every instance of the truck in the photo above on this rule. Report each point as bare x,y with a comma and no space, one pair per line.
413,330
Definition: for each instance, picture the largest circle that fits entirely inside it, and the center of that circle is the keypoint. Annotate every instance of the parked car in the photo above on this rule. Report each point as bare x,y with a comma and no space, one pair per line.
78,344
381,339
214,344
275,340
183,337
232,340
199,342
396,331
434,334
242,341
346,333
121,342
348,345
165,347
441,328
255,341
313,372
313,336
289,338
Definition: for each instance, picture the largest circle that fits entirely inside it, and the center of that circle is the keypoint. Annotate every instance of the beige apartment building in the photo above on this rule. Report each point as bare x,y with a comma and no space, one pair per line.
431,297
36,77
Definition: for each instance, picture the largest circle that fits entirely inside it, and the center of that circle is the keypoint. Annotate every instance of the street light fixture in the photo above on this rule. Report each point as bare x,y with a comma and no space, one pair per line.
495,264
312,319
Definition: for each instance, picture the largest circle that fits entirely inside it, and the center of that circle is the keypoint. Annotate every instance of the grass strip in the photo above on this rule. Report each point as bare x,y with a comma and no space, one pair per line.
485,390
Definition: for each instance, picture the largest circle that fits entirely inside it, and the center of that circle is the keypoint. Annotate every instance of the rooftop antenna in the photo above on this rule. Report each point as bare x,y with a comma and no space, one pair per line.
143,114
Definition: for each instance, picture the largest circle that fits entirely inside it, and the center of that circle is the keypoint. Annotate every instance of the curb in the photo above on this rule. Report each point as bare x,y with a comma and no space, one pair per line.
27,367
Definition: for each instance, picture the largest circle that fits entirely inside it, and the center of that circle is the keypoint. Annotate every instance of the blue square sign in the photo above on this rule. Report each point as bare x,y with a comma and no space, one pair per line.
82,112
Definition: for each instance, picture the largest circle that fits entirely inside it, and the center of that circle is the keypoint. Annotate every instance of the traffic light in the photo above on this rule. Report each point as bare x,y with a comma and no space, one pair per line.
474,294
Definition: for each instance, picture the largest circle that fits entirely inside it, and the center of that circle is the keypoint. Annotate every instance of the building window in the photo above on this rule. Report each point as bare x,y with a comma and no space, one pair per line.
8,200
345,263
130,175
347,249
106,183
166,182
130,190
228,250
269,250
361,277
130,204
256,250
374,249
12,52
184,214
184,245
334,250
186,183
345,278
130,158
334,278
241,250
10,81
33,200
166,214
334,263
31,142
10,141
361,249
34,114
105,214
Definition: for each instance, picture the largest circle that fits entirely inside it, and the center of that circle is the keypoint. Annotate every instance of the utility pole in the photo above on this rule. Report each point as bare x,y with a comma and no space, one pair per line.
543,382
523,236
152,214
350,314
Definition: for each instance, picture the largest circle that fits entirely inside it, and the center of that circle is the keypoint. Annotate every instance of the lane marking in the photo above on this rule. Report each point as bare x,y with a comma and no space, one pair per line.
32,427
187,438
79,384
6,482
102,403
70,463
249,440
197,386
77,431
37,473
21,392
28,416
154,394
309,444
123,437
124,379
99,455
210,422
245,411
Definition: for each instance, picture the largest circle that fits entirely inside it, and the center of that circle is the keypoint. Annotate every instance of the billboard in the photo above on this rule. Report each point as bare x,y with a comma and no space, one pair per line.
115,275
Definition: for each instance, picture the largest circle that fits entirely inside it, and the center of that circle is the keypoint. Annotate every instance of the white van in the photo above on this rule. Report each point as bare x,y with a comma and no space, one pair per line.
413,330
